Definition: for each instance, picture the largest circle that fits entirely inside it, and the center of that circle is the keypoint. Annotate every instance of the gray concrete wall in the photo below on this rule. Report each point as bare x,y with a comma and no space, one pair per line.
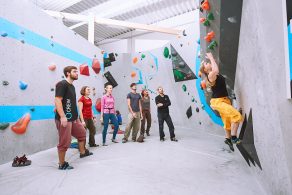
30,64
261,85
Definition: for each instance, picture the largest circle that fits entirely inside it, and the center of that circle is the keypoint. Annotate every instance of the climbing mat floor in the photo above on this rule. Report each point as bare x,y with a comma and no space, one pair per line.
199,164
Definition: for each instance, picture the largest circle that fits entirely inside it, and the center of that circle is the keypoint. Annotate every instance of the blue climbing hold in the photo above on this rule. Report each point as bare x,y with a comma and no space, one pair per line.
22,85
4,34
199,41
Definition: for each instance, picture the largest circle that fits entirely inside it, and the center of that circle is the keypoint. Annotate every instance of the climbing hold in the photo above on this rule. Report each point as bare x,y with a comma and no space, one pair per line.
22,85
197,109
133,74
22,32
212,45
135,60
210,16
193,99
84,70
102,51
181,44
206,23
203,85
209,36
3,126
184,33
52,67
22,41
5,83
200,123
143,56
203,106
21,125
116,55
184,87
94,55
98,104
166,52
52,89
199,41
4,34
202,20
205,5
96,66
182,64
178,74
189,112
32,109
188,93
169,56
62,76
232,19
52,36
52,44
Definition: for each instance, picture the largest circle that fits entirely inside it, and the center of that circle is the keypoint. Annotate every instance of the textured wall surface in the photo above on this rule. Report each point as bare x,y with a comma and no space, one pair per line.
45,41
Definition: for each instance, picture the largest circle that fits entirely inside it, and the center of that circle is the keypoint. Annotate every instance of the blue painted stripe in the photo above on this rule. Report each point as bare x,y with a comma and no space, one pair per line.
201,93
290,49
44,112
22,34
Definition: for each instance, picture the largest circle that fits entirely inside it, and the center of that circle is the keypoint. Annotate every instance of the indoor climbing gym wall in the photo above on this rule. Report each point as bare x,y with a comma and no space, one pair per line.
33,55
253,63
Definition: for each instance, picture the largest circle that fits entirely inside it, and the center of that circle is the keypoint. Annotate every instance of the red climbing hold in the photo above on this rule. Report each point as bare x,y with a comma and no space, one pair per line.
21,125
52,67
84,70
202,20
98,105
96,66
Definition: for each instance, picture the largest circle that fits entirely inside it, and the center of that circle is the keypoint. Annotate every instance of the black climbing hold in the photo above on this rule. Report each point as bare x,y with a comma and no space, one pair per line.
95,55
184,33
189,112
52,36
200,123
188,93
22,41
3,126
197,109
181,44
52,89
63,77
32,109
5,83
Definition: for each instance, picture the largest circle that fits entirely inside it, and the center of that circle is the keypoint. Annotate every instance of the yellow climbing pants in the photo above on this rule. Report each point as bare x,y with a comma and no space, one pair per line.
227,112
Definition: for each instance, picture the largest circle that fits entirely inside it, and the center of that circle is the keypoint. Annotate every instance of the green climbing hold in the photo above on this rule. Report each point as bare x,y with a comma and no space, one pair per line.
212,45
143,56
3,126
206,23
166,52
210,16
178,75
193,99
184,87
169,56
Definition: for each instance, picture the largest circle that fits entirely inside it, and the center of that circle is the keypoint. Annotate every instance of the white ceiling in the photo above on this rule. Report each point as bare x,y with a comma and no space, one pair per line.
139,11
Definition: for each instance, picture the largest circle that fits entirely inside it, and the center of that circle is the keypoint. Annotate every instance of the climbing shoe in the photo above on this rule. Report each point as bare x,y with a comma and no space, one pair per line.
229,143
162,139
235,141
174,139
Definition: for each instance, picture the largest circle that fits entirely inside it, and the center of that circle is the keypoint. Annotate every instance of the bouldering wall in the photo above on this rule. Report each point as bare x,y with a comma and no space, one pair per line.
34,49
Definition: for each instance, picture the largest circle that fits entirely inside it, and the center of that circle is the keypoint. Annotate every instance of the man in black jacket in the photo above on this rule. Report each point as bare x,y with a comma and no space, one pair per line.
163,102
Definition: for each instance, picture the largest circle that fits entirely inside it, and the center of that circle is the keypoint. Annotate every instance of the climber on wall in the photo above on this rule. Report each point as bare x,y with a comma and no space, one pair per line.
220,101
66,117
108,113
163,102
86,114
146,112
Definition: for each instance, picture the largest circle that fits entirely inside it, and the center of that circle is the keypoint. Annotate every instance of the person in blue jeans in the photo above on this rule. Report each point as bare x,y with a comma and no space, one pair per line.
108,114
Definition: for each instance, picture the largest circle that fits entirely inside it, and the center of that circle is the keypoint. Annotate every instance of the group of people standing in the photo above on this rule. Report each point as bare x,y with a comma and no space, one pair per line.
70,124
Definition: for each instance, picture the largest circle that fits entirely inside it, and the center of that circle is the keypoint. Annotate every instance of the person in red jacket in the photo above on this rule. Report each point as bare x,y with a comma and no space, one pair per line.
86,114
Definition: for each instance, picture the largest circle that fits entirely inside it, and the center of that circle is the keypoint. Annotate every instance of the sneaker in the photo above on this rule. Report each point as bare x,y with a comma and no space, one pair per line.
124,140
21,162
104,144
114,141
162,139
86,153
65,166
134,140
147,133
93,145
229,143
174,139
236,141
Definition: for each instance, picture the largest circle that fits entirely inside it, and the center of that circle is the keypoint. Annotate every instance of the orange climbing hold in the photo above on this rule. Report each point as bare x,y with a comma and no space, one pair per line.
209,36
21,125
52,67
135,60
203,85
96,66
133,74
205,5
84,70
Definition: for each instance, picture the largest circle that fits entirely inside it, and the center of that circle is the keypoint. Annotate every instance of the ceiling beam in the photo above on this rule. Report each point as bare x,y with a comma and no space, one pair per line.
111,22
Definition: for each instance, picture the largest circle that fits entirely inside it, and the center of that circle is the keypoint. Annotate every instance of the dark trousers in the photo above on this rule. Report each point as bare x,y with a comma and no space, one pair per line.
90,126
165,117
146,117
